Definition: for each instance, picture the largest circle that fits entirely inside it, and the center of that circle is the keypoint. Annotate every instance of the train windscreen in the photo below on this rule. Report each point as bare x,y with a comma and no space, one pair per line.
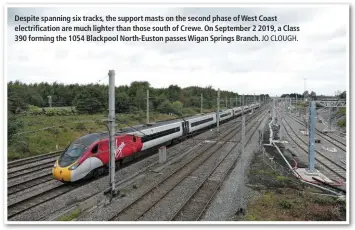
71,154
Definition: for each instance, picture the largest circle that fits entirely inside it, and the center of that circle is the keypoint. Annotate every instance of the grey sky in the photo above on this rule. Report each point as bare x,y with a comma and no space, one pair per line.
320,55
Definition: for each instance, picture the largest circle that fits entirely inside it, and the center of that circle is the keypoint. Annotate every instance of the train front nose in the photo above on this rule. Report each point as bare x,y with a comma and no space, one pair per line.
61,173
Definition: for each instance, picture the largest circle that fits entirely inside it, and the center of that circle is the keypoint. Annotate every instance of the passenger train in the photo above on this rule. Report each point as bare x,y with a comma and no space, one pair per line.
89,155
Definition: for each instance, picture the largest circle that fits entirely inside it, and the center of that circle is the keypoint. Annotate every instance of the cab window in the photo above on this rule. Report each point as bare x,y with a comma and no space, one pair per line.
95,149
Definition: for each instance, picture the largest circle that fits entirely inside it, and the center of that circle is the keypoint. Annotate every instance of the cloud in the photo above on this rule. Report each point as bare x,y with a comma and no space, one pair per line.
275,68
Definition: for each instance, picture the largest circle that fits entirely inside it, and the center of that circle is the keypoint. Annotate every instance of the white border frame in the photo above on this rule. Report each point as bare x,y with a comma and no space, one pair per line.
168,5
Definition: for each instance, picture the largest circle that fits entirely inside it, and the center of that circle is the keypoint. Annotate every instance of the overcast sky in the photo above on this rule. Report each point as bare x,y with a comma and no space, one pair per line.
320,55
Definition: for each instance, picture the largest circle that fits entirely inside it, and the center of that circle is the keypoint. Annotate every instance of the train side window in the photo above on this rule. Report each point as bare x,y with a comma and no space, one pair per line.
95,149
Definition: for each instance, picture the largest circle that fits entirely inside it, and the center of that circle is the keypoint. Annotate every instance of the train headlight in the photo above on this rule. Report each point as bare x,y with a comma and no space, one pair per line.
55,165
74,166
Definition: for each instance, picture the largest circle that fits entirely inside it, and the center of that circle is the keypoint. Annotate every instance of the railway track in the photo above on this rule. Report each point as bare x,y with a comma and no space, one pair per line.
209,159
28,184
326,136
195,207
29,160
23,204
338,170
19,173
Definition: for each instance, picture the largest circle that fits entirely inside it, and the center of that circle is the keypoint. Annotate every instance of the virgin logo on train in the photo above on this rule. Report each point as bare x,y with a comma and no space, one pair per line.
119,148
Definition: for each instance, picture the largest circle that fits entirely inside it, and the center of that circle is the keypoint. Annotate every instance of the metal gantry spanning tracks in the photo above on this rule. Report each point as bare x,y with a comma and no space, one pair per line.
141,205
329,138
324,160
338,103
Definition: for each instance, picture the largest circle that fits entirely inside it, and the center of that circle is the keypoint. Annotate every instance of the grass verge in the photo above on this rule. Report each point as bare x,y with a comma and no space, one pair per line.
284,198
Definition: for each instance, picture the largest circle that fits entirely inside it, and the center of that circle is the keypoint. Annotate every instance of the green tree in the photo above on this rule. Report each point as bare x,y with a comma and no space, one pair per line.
176,107
174,93
16,98
343,95
313,95
164,107
89,101
122,102
14,125
140,99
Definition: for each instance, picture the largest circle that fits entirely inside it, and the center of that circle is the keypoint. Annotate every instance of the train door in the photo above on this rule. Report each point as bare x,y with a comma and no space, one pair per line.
184,128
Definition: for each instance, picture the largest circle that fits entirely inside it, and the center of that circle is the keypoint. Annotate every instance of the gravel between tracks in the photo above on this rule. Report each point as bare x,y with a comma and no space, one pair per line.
233,194
336,156
185,189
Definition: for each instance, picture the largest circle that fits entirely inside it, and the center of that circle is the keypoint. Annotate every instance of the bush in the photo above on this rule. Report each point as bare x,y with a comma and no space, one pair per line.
323,200
165,107
176,107
250,217
20,148
14,125
285,204
89,101
342,122
283,179
80,126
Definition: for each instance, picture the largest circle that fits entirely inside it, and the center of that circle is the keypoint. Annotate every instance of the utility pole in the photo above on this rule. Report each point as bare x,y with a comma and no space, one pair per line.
112,124
282,116
236,101
243,99
330,119
273,111
201,103
243,130
311,134
147,106
50,100
225,99
304,88
218,111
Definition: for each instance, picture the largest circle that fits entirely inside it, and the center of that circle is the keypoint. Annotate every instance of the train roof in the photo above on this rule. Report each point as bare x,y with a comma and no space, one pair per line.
146,126
90,138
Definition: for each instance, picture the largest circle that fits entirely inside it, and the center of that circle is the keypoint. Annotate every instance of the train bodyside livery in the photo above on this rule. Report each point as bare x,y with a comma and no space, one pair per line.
89,155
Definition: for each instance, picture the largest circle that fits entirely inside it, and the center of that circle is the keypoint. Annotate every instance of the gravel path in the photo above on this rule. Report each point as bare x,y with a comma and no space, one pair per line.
232,194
